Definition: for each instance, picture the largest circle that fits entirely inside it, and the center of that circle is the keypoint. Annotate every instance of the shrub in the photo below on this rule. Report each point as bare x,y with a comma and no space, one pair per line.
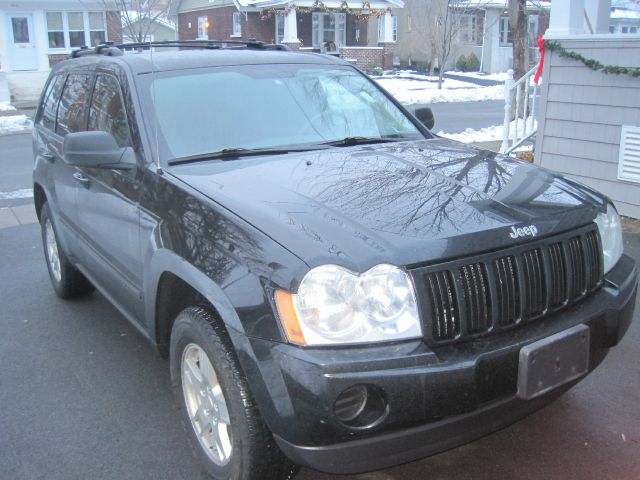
473,64
461,64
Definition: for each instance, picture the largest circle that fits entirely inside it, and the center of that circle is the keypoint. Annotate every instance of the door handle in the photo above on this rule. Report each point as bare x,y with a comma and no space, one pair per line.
81,179
48,156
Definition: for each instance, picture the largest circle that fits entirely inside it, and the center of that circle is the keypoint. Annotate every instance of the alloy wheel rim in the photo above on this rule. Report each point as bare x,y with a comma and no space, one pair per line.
52,251
206,405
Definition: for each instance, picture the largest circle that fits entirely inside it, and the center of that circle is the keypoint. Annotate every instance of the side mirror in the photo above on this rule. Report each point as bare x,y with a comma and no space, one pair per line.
425,115
94,149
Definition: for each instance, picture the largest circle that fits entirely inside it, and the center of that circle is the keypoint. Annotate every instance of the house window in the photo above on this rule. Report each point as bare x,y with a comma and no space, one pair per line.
408,23
633,29
97,28
328,29
203,28
505,32
72,29
55,28
394,32
76,29
469,32
237,25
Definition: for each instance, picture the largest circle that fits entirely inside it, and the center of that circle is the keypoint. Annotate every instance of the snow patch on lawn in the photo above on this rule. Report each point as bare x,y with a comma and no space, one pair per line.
419,94
15,124
6,107
498,77
23,193
411,88
489,134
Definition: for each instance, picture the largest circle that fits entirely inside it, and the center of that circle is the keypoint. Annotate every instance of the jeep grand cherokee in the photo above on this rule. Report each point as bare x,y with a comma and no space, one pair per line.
334,285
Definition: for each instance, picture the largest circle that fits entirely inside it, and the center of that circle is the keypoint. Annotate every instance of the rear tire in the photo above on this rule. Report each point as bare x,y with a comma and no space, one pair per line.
66,279
217,407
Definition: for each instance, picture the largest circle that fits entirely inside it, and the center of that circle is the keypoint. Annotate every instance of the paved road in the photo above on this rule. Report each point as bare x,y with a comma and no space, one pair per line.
83,396
456,117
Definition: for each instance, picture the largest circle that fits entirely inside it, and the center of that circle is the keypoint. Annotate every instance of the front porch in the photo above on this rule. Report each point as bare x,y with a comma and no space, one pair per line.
332,27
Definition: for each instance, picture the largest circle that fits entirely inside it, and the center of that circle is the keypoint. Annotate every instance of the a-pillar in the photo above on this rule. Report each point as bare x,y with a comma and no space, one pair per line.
386,42
290,38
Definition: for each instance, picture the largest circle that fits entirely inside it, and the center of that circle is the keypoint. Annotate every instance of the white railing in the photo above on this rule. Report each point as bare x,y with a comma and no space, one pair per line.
521,94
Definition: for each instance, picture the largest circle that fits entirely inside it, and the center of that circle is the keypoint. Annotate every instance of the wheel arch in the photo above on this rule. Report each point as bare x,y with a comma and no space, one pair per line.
39,198
175,285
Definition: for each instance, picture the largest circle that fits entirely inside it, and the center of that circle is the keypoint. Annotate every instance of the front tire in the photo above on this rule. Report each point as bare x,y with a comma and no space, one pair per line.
67,280
218,410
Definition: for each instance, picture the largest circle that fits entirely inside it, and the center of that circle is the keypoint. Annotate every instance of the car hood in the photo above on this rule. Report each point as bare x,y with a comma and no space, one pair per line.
403,203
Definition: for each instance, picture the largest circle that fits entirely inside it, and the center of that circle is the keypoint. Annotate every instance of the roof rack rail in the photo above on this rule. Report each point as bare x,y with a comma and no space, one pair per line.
115,50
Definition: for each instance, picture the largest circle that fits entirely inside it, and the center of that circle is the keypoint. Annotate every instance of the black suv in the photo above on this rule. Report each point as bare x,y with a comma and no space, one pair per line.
334,285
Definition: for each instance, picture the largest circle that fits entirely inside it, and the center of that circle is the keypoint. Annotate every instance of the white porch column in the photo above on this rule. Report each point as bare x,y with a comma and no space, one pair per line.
291,28
567,17
598,13
387,28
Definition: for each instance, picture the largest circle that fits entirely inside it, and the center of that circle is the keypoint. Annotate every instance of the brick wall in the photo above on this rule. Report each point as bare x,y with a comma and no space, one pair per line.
114,27
260,29
221,25
365,58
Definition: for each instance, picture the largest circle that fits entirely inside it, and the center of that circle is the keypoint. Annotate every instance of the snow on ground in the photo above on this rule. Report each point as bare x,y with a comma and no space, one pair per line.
498,77
412,88
5,107
23,193
489,134
13,123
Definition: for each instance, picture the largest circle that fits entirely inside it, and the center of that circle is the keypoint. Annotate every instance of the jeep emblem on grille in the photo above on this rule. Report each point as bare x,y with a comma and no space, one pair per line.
530,231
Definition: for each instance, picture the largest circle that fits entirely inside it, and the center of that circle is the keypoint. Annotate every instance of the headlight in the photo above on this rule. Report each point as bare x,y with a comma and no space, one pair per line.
611,236
336,306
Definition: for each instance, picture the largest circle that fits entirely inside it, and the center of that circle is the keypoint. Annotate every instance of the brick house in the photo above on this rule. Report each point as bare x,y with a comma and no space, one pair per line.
35,34
330,26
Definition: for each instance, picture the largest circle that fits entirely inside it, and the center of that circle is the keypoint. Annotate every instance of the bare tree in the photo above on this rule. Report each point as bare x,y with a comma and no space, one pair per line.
519,36
139,16
439,27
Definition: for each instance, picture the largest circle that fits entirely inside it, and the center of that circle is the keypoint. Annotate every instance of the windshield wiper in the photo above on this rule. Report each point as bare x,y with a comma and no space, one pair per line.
234,153
352,141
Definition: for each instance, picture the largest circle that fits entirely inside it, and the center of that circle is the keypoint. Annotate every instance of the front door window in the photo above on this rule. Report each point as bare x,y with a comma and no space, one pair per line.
20,29
328,30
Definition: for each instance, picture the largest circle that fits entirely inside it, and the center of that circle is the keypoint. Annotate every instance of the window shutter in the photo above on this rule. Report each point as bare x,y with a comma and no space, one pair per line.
629,160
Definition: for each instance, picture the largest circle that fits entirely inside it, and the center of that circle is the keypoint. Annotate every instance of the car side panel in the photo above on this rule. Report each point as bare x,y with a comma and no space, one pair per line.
227,260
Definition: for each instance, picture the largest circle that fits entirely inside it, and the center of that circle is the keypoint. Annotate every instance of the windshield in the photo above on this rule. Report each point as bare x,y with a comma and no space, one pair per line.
269,106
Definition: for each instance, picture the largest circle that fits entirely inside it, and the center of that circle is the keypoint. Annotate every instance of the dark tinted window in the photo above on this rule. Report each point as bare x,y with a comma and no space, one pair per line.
72,112
107,111
50,107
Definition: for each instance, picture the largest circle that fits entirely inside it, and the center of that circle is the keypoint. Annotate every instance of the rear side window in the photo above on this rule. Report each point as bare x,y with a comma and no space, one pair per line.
50,107
72,112
107,112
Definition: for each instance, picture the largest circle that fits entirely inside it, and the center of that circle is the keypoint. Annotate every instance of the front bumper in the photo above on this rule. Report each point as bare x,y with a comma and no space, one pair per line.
437,398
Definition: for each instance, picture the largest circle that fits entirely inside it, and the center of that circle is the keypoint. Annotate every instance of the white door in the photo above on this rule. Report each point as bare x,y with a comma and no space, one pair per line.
22,42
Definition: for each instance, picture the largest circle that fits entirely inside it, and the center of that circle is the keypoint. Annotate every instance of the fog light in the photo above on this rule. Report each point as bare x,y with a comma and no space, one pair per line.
351,403
361,407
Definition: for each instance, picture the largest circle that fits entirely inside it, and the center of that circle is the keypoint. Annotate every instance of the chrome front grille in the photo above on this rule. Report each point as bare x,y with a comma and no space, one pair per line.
492,292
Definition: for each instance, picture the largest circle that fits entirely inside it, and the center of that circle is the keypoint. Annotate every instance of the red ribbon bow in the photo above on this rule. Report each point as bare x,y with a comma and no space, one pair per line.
536,79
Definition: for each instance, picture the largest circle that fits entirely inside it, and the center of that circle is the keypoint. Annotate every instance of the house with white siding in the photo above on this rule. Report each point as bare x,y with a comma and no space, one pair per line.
589,121
35,34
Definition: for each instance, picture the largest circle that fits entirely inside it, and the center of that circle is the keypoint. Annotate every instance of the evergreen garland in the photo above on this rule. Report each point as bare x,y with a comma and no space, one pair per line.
595,65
